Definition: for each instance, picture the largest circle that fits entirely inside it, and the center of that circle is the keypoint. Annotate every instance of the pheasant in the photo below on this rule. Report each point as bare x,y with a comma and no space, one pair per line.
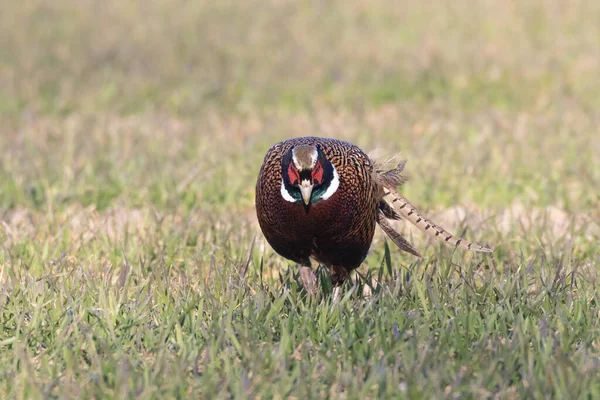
321,198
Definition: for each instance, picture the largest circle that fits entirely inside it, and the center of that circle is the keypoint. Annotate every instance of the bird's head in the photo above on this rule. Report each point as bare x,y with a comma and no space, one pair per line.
307,175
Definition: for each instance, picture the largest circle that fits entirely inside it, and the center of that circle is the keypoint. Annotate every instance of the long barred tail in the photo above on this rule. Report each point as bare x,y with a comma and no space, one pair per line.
414,216
397,238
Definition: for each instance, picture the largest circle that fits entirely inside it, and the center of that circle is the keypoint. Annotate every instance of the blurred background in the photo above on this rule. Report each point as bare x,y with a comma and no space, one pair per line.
181,57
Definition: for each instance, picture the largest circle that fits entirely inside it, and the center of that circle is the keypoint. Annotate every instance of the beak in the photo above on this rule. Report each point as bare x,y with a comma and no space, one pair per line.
306,189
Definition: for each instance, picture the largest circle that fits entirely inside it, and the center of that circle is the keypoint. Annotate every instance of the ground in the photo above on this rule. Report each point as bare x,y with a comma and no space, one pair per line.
132,133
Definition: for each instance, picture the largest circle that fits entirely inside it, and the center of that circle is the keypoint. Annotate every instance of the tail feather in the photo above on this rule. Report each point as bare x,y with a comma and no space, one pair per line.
388,211
395,236
388,181
393,177
414,216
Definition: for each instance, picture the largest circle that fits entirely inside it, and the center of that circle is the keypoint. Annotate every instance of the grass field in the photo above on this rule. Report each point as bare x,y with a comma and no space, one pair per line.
131,134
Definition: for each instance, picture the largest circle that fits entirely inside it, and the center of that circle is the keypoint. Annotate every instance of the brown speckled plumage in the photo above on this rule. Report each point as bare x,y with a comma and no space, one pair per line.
336,232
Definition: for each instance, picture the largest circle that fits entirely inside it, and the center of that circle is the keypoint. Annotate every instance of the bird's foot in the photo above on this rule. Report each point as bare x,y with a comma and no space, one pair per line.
336,295
309,280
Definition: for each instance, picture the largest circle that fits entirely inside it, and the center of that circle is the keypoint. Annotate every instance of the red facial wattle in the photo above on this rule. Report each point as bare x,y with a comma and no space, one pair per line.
317,173
293,174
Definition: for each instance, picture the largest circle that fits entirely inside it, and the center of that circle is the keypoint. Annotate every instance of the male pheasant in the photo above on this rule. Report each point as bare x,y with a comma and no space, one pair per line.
321,198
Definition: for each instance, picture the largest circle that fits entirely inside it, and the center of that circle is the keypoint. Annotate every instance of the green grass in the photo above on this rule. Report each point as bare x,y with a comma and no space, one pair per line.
132,265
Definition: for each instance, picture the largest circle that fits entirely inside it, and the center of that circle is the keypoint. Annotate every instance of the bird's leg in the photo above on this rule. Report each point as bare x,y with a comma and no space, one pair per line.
336,294
338,275
309,279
